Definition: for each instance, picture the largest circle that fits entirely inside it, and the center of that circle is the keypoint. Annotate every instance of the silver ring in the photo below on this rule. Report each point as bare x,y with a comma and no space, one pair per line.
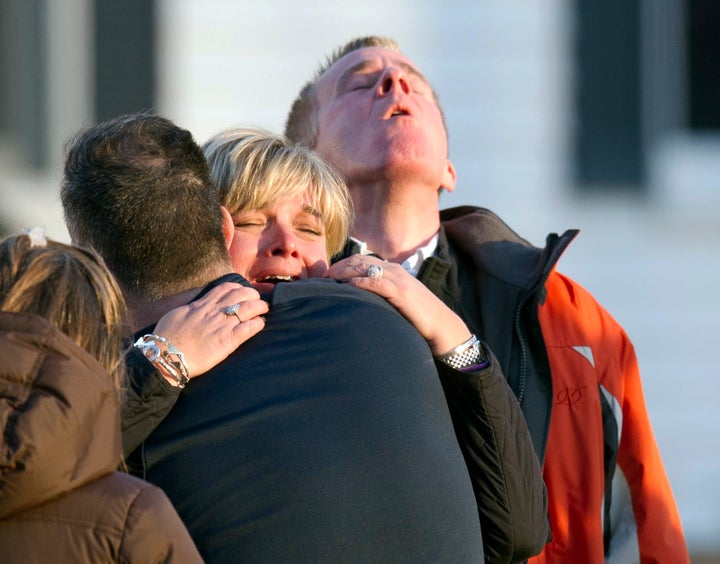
374,271
233,310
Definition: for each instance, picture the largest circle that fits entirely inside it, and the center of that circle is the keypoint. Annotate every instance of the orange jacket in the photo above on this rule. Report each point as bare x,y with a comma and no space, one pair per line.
595,379
575,373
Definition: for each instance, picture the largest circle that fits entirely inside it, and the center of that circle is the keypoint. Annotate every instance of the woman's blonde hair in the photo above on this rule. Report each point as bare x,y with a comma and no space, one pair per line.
72,289
254,168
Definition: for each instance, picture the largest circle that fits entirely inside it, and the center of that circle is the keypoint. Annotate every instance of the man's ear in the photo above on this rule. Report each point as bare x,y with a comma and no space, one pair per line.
228,226
449,177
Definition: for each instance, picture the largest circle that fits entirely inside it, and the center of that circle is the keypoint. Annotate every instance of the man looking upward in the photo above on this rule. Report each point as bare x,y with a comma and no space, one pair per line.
372,114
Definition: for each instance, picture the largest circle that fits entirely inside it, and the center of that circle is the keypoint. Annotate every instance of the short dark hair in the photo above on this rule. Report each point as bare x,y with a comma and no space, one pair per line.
137,189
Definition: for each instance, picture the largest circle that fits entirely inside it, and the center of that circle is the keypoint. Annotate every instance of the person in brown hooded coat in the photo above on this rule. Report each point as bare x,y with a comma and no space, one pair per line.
62,318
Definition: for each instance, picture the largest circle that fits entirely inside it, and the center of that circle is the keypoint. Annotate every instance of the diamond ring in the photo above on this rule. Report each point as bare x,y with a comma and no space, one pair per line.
233,310
375,271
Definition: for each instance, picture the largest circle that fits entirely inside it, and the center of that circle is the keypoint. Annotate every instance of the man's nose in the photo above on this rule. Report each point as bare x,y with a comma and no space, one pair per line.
394,79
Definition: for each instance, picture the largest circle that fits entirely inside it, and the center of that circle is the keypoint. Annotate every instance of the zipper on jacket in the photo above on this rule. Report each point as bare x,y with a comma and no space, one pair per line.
523,352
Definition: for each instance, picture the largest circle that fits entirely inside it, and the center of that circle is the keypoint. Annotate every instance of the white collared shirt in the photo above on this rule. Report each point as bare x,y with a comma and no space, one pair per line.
413,262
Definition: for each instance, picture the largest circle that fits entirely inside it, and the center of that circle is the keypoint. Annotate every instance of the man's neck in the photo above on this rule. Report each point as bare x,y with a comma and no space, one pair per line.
144,312
394,223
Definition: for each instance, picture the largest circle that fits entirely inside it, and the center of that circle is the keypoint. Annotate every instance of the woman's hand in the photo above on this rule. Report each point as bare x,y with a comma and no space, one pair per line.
441,327
205,333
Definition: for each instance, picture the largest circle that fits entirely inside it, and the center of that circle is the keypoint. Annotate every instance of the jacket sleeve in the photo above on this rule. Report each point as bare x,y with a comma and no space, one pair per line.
505,472
154,532
148,400
641,515
607,485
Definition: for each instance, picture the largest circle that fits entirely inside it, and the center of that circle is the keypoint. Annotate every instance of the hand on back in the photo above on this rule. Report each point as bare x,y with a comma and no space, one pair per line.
205,333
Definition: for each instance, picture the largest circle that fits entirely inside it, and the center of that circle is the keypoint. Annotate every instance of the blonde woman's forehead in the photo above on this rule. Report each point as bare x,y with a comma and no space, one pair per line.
279,192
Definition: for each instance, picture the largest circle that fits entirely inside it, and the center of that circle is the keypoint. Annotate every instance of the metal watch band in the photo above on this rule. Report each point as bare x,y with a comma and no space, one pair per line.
466,354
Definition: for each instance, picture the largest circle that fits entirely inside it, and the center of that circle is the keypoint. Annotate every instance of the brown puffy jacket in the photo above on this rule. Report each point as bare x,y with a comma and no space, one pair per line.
61,499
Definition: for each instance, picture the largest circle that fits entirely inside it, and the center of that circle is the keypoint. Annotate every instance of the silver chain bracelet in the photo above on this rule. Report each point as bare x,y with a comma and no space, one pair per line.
169,357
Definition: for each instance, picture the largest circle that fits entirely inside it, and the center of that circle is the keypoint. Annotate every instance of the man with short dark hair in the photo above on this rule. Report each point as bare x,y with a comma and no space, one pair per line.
326,437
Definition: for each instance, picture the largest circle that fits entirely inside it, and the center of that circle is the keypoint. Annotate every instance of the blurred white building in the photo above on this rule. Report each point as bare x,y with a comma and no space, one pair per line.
562,113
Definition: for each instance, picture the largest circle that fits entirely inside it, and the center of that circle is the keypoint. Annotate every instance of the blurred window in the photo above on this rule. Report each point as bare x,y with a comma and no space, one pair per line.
23,80
125,57
608,142
703,64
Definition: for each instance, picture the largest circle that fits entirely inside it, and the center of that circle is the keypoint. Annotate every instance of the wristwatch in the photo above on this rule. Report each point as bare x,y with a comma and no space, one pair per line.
466,354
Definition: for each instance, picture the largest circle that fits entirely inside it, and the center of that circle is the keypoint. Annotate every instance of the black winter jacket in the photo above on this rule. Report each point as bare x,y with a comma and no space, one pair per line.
324,438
